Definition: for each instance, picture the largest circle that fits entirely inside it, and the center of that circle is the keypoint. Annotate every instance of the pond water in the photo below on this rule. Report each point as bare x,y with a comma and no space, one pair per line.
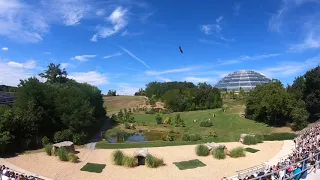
137,137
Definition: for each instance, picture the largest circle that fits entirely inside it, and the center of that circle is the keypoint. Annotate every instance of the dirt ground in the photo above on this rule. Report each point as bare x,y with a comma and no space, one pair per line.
51,167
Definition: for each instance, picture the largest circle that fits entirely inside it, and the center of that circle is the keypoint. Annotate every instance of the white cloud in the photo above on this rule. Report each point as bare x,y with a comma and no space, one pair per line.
47,53
65,65
27,65
127,33
11,75
134,56
163,79
118,19
212,28
127,89
5,49
91,77
245,57
197,80
83,57
100,12
168,71
236,8
275,22
285,69
113,55
23,21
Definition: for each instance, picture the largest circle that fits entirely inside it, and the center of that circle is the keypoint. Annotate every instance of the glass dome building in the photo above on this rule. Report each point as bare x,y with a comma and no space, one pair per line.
245,79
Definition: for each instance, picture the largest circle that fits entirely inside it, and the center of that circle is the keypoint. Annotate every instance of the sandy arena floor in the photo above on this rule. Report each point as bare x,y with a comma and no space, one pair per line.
51,167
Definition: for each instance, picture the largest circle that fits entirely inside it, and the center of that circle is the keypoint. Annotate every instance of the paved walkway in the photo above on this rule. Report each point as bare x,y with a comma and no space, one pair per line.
287,148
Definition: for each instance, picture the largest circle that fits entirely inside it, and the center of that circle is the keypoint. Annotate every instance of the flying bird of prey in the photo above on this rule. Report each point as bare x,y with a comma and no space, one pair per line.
180,49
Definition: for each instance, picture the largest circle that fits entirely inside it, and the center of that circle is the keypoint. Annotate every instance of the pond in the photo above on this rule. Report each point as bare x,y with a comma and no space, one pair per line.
136,137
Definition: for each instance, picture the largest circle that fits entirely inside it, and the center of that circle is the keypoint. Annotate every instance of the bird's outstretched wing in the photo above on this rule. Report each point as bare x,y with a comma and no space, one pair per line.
180,49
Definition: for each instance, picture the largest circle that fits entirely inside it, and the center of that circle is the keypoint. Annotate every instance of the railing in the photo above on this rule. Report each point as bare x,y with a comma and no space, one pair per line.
291,176
251,170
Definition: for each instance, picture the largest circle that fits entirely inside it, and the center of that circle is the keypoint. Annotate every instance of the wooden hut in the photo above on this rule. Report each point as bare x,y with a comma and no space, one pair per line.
141,155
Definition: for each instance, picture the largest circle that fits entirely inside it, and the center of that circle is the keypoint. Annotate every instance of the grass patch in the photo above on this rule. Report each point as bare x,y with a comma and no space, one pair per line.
202,150
62,154
218,153
237,152
48,148
279,136
252,150
129,161
92,167
153,162
117,157
252,139
191,164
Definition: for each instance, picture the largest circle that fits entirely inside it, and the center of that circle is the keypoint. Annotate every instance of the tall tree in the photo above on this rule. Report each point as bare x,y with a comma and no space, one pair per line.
312,93
54,74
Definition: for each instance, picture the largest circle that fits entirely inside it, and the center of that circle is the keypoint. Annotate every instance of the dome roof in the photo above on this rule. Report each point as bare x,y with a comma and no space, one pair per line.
245,79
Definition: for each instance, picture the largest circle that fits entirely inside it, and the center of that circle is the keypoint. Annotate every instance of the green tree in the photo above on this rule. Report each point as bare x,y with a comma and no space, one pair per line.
312,92
54,74
5,139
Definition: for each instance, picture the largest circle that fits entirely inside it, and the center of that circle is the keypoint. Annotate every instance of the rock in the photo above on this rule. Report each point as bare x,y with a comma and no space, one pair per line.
194,120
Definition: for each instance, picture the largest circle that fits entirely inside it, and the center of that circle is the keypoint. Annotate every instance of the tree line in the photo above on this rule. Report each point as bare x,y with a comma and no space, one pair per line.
60,109
183,96
297,104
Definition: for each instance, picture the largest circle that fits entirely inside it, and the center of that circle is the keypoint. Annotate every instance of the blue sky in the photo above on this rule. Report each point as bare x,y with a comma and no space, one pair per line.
125,44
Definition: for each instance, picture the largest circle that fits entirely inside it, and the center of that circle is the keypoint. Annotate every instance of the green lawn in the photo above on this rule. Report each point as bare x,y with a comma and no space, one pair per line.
92,167
227,126
191,164
252,150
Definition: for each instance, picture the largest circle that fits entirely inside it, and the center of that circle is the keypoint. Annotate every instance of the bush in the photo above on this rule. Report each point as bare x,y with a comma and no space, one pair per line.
206,123
237,152
151,111
127,125
218,153
48,148
166,111
153,162
117,157
195,137
73,158
158,118
80,138
129,161
167,120
65,135
279,136
202,150
45,141
62,154
185,137
252,139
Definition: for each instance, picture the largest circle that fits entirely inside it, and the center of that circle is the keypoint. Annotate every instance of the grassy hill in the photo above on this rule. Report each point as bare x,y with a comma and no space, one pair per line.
115,103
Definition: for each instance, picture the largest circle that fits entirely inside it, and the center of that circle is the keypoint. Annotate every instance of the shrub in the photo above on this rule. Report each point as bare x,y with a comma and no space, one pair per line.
151,111
129,161
79,138
127,125
167,120
185,137
166,111
170,136
158,118
153,162
62,154
279,136
73,158
218,153
237,152
249,139
144,123
117,157
195,137
202,150
45,141
259,138
206,123
48,148
65,135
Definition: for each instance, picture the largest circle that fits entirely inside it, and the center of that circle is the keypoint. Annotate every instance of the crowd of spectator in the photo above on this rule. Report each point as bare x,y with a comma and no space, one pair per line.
304,158
8,174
